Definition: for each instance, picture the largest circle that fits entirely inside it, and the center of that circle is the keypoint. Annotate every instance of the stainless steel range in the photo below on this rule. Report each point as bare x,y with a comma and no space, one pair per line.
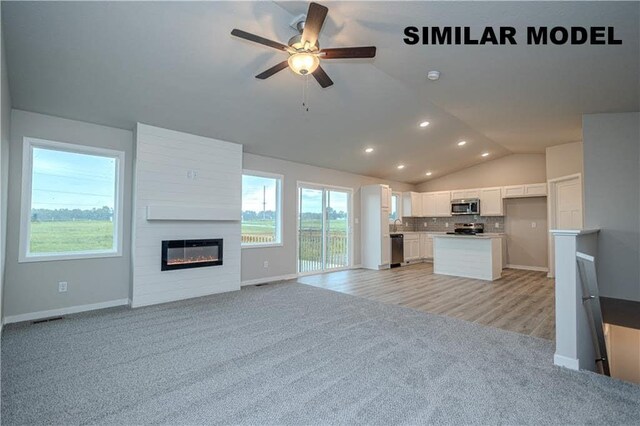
467,229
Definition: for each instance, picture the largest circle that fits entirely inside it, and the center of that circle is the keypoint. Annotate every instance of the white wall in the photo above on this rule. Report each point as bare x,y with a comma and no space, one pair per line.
564,160
282,260
33,287
165,160
612,199
5,132
514,169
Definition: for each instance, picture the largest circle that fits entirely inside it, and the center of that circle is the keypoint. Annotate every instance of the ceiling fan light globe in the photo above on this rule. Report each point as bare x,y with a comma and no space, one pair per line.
303,63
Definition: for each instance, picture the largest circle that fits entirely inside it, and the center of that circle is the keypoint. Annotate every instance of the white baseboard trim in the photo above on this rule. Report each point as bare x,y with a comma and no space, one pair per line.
269,279
64,311
528,268
565,361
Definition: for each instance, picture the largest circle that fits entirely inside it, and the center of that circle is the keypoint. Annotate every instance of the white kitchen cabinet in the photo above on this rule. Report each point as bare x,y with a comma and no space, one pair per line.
426,246
411,247
385,258
535,190
443,203
386,197
528,190
412,204
513,191
375,240
428,204
436,204
491,203
465,194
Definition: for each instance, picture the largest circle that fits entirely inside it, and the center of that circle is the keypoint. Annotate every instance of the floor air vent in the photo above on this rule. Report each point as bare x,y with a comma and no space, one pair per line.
46,320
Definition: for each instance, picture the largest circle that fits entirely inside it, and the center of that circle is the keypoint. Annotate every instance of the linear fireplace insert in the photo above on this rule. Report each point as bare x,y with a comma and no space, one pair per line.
182,254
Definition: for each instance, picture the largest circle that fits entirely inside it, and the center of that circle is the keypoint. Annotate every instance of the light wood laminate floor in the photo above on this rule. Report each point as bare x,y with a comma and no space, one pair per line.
521,301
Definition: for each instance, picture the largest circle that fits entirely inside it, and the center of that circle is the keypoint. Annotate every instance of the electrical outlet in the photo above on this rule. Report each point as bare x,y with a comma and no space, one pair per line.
534,225
62,287
424,224
265,264
497,225
446,224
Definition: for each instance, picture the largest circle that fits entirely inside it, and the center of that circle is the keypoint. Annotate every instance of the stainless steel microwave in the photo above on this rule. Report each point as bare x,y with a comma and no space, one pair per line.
465,206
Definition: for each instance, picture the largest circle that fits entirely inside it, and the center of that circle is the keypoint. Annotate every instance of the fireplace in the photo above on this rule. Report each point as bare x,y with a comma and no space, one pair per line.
182,254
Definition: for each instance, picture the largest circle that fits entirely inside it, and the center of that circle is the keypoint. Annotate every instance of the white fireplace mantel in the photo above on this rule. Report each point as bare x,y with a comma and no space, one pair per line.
196,213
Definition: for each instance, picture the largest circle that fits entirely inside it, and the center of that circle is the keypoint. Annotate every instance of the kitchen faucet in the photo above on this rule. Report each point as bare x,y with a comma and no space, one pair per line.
395,225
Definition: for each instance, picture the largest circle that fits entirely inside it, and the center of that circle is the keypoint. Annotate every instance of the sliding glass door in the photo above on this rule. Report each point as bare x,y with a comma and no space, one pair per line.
324,228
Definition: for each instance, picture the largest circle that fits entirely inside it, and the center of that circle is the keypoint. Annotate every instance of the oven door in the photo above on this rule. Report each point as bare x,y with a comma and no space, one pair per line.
460,208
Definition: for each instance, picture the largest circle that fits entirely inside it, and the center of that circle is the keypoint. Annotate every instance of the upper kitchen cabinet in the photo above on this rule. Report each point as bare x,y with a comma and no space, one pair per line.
465,194
412,204
386,197
443,203
528,190
491,203
436,204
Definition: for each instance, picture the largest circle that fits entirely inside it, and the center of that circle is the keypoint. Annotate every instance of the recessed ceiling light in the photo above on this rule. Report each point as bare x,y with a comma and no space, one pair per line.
401,166
462,143
433,75
429,173
424,124
368,150
485,154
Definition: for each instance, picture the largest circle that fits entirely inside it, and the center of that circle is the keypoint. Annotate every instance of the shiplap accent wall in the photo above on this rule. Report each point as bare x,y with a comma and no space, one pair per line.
179,169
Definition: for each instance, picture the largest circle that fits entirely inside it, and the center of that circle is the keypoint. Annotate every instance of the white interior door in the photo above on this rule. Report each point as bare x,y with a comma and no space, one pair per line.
569,204
565,209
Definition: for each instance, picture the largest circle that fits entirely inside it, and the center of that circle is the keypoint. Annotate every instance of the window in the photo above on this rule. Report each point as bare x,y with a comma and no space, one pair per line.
395,212
71,201
261,209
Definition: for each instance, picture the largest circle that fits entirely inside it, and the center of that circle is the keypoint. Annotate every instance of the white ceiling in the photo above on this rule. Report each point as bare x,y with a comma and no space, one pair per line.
175,65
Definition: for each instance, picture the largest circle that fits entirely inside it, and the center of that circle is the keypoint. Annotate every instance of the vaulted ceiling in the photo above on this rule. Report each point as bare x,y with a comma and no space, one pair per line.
176,65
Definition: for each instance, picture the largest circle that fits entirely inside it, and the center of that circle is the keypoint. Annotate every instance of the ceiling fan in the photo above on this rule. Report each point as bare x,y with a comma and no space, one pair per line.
304,50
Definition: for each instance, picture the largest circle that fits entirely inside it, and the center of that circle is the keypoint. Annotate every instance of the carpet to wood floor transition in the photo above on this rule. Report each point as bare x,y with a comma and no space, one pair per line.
288,353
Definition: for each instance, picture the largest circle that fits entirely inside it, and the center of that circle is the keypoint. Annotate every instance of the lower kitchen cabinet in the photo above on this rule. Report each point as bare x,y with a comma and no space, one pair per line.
426,246
411,247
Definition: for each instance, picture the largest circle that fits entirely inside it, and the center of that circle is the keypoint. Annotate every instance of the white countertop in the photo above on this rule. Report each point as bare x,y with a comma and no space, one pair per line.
486,236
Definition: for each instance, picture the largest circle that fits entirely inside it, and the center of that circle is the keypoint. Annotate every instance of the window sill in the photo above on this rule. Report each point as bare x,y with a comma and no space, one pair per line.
258,246
71,256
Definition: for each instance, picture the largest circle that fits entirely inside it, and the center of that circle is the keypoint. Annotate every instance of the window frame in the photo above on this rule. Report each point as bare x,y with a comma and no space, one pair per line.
26,197
398,207
279,213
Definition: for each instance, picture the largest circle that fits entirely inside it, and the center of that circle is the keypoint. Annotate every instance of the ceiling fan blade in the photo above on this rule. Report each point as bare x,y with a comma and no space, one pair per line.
271,71
349,52
257,39
322,77
312,26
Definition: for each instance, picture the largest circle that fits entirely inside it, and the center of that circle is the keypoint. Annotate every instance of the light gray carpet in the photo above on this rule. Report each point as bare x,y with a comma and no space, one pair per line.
292,354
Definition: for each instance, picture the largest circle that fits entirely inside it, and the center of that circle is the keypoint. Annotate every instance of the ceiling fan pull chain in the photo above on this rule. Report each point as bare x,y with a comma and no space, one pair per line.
305,94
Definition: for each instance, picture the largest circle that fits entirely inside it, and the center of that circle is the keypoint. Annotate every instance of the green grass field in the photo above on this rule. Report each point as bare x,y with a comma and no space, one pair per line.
87,235
80,235
261,227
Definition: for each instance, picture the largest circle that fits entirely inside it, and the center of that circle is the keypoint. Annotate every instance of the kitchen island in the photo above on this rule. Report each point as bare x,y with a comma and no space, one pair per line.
469,256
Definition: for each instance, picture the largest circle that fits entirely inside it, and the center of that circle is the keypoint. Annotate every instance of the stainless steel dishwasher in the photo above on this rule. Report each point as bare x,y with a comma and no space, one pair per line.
397,250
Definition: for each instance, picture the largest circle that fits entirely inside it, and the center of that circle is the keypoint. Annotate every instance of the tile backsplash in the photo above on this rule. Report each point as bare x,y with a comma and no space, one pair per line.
438,224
